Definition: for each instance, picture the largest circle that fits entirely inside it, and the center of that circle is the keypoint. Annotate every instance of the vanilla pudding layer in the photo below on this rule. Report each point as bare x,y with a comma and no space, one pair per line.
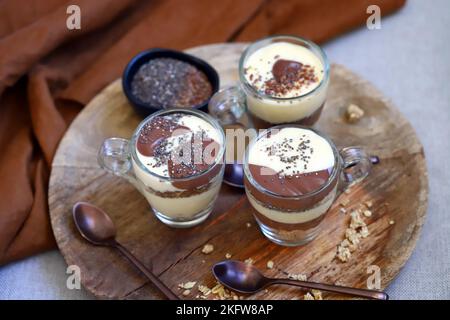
184,208
293,105
293,217
174,202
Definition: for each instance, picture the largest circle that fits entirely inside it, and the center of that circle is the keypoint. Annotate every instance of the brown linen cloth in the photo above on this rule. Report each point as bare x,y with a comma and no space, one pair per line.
48,73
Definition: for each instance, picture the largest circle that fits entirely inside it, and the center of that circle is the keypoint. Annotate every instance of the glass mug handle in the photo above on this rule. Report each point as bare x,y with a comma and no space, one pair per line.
114,157
228,105
356,165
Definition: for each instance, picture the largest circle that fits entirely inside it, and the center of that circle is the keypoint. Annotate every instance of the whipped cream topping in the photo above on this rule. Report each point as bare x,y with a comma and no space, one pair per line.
302,69
291,151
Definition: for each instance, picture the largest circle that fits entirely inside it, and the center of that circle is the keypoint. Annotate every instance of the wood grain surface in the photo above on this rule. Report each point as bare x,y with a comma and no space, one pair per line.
398,188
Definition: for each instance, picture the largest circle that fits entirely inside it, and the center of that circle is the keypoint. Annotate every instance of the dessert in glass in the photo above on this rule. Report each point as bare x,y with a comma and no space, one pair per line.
291,179
175,159
285,80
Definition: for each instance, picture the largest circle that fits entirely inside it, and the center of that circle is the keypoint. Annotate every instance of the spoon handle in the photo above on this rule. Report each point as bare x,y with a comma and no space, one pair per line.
365,293
149,274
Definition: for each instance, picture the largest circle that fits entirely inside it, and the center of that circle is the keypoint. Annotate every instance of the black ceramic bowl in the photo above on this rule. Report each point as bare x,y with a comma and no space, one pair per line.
144,109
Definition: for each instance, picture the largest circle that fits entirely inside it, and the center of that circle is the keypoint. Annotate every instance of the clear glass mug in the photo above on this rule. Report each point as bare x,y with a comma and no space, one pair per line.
295,220
172,205
265,110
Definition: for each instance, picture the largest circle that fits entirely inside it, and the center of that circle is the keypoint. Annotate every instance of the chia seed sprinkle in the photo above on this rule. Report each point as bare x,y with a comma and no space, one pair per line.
303,151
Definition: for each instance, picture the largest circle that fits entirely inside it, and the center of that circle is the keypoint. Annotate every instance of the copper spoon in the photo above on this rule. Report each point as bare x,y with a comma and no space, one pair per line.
97,227
246,278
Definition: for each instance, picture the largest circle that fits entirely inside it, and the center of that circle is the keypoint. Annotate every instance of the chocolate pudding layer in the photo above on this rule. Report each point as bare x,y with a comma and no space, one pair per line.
178,163
289,84
290,178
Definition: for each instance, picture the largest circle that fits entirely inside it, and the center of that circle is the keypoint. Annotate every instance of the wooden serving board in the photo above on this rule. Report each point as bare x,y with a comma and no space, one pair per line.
398,188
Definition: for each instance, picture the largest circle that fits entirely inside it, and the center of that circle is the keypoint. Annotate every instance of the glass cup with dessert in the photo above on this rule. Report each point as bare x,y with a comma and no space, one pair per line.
283,79
175,159
292,174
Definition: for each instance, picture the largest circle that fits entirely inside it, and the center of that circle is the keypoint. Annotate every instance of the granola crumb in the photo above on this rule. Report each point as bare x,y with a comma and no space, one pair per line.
221,293
270,264
367,213
204,290
345,243
345,202
342,210
188,285
368,204
228,255
299,276
249,261
343,253
339,283
354,113
248,224
391,222
208,248
356,220
364,232
353,234
317,294
308,296
186,292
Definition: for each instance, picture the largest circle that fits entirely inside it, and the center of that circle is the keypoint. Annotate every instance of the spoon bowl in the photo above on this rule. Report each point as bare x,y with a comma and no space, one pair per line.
234,175
94,224
239,276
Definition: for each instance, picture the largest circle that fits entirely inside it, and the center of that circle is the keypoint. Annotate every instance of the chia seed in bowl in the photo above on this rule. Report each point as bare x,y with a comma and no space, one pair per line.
168,82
